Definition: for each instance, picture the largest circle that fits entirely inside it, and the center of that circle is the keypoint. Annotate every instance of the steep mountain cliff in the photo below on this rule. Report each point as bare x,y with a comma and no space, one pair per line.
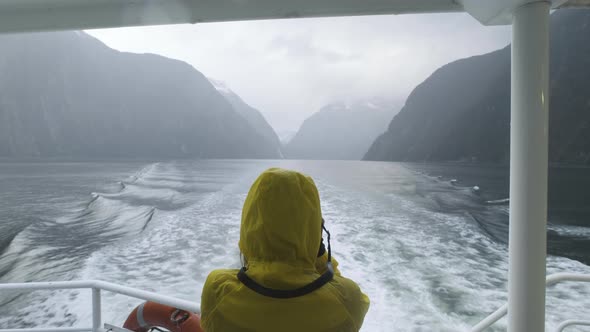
67,94
462,111
252,115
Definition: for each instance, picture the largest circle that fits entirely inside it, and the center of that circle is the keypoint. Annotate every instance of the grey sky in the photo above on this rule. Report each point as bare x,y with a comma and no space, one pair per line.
288,69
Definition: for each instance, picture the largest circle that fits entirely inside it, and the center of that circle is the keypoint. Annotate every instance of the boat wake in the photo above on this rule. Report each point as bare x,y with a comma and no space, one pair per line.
53,249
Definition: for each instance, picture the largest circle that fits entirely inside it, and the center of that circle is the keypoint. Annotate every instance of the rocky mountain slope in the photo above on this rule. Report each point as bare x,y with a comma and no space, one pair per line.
462,111
252,115
68,94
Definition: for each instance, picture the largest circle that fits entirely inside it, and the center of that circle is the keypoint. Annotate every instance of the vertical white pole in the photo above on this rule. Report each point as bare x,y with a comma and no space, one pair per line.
528,167
96,310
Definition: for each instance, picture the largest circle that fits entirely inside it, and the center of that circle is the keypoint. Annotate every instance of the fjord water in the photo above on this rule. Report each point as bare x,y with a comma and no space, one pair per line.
431,255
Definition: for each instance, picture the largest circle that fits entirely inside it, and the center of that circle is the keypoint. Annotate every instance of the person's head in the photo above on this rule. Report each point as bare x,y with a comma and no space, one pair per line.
281,219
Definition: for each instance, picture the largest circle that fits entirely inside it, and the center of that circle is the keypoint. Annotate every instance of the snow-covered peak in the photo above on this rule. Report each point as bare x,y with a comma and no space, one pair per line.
373,106
220,86
338,106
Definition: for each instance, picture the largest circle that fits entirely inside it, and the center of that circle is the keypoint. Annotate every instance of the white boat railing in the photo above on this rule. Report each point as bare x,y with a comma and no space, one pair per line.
550,280
571,322
96,286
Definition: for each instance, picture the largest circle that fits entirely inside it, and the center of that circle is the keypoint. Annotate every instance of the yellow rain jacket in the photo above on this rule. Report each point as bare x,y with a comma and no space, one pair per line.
280,237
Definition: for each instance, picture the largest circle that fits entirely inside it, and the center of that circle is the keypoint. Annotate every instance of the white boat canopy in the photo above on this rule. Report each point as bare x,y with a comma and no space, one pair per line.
47,15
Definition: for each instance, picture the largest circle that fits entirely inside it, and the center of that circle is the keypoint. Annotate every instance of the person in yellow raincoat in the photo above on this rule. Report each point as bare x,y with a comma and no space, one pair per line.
289,282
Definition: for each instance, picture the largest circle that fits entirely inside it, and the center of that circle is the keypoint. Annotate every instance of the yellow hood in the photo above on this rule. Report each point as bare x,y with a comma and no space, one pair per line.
282,220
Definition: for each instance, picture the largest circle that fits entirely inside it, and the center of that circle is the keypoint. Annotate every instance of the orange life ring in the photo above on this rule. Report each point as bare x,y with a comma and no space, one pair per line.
151,314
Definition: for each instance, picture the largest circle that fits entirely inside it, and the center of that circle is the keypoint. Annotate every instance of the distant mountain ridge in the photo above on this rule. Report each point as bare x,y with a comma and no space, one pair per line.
341,131
286,136
68,94
462,111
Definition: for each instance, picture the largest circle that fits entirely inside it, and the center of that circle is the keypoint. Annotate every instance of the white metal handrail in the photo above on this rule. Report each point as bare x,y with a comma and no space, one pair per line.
550,280
96,286
571,322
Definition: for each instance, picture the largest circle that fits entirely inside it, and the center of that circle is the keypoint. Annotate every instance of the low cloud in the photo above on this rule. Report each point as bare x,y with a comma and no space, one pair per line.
288,69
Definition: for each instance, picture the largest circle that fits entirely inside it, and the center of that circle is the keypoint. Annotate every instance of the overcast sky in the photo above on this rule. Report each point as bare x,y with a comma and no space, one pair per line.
288,69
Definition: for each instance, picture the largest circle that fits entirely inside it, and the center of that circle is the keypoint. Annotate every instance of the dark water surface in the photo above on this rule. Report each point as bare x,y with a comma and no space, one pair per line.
568,203
430,254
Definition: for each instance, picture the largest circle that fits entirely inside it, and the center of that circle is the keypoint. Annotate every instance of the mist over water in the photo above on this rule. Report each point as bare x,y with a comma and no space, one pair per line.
416,244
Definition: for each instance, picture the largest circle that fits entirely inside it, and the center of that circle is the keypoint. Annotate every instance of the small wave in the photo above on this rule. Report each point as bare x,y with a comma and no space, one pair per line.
137,195
19,255
570,231
499,201
496,228
149,218
40,250
115,217
7,239
95,196
142,173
